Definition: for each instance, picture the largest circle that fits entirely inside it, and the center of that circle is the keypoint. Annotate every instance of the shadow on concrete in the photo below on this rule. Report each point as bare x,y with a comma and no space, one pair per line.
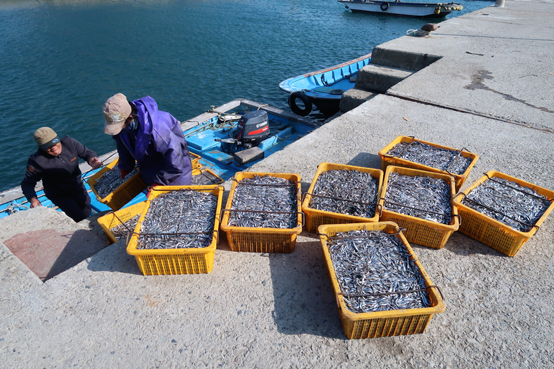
114,259
48,252
304,300
223,243
81,245
463,245
367,160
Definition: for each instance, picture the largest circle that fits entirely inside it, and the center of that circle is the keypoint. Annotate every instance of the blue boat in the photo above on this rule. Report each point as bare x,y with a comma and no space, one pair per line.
322,88
211,135
13,200
219,137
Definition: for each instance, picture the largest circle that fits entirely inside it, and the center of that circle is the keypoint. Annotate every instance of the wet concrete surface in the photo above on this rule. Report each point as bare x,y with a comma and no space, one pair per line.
278,310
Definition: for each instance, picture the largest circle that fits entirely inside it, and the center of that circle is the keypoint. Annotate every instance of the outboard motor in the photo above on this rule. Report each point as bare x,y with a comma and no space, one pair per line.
252,129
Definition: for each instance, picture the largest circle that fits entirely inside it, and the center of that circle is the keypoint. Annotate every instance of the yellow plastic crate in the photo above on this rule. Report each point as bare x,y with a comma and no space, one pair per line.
113,219
491,232
387,160
121,195
315,218
195,160
262,239
176,261
382,323
198,172
421,231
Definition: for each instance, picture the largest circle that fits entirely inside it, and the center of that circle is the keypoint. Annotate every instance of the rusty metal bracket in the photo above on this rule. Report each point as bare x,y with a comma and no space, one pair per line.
453,159
391,293
416,209
517,189
402,152
335,198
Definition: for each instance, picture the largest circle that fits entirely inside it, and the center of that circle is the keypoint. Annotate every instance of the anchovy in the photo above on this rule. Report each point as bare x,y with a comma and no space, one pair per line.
120,231
349,192
264,202
439,158
111,180
508,202
204,178
375,272
419,196
179,219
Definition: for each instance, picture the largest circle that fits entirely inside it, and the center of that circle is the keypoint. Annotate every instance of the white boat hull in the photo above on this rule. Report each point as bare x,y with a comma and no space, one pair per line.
430,10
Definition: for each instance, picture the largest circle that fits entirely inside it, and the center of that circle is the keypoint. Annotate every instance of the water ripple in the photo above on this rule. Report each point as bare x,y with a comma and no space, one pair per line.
62,59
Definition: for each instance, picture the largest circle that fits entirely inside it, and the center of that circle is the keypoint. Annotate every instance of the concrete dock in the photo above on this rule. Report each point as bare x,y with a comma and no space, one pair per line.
490,91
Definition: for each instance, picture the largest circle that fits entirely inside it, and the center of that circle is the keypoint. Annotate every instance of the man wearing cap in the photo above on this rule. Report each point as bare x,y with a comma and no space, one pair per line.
56,163
152,138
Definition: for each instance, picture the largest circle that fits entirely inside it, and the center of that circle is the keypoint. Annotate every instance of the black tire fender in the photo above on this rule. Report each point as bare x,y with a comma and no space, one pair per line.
304,98
384,6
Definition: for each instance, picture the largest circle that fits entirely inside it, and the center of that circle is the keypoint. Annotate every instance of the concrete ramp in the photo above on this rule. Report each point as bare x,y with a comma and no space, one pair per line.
47,241
495,62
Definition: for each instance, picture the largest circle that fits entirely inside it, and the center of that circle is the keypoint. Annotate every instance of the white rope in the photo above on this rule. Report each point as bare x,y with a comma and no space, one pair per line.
417,33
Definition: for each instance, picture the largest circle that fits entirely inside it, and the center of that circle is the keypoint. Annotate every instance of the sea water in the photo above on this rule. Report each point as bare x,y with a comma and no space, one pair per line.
61,59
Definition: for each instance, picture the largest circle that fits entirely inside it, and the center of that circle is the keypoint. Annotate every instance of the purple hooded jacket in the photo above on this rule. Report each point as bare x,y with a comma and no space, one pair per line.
158,146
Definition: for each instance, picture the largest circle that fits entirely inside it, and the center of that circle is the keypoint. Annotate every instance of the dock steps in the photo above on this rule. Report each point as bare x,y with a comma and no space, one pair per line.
402,59
355,97
387,68
379,78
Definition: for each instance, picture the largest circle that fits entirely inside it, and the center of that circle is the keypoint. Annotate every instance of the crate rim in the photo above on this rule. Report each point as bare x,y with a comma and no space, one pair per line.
104,219
221,180
438,308
95,177
491,174
399,139
242,175
216,190
321,169
455,215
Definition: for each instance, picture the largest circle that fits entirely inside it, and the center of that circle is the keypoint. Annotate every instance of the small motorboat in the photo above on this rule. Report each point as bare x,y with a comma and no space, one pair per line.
322,88
236,135
412,9
228,139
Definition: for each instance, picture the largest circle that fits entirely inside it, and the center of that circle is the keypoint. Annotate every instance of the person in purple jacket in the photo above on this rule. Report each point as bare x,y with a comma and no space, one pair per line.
151,137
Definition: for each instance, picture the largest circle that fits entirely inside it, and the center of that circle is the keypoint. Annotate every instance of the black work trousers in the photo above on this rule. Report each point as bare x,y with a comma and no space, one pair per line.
76,206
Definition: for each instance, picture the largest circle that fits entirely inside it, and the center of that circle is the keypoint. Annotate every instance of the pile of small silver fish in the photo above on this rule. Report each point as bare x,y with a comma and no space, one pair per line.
508,202
179,219
204,178
264,202
110,181
125,228
419,196
439,158
344,191
370,267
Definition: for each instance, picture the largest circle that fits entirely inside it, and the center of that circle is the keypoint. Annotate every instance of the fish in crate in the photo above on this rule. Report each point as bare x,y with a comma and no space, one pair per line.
263,212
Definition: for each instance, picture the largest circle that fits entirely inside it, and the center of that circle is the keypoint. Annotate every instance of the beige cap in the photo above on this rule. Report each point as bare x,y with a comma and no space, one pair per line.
116,110
45,137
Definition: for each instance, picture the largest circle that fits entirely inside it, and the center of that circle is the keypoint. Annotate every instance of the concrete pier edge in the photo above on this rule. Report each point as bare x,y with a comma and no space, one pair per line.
277,310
